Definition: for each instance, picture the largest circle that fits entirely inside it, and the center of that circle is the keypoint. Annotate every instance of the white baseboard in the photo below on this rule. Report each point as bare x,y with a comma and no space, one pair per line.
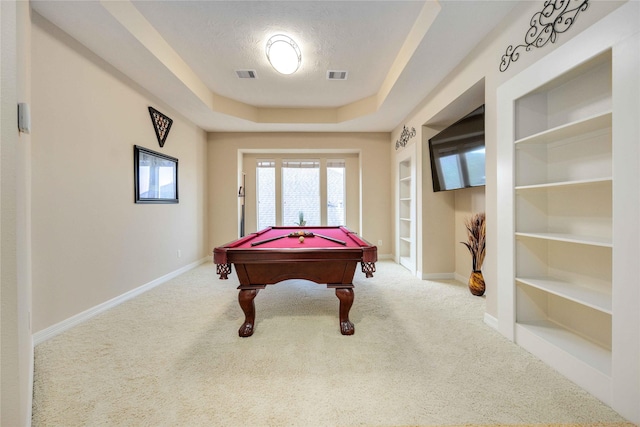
53,330
460,278
32,369
438,276
491,321
385,256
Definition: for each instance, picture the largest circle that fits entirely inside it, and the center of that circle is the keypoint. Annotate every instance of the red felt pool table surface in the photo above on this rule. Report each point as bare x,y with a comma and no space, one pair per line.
327,255
288,237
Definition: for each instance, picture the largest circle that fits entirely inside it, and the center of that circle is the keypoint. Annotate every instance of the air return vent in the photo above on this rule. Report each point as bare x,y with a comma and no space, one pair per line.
336,75
246,74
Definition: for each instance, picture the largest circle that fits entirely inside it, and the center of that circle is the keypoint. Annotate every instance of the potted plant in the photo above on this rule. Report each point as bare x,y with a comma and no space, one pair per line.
301,222
476,243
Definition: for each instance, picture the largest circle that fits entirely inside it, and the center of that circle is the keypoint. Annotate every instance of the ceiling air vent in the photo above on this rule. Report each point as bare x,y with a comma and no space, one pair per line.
246,74
336,75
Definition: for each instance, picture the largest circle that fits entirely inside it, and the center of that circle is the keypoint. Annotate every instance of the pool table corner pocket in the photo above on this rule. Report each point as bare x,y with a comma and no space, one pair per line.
223,270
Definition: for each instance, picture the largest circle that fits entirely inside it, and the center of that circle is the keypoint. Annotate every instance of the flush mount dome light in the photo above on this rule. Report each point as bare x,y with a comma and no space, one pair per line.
284,54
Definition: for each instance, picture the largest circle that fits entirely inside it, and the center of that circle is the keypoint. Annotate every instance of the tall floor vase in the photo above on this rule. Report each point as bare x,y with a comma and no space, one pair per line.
476,283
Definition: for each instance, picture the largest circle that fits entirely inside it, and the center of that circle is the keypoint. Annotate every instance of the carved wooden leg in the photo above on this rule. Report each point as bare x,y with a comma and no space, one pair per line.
245,298
346,301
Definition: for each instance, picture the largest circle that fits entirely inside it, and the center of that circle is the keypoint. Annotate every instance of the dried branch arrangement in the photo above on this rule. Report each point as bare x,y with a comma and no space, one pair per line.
476,242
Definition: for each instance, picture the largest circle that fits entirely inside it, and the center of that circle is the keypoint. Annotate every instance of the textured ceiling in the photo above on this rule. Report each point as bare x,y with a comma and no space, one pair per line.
186,54
331,36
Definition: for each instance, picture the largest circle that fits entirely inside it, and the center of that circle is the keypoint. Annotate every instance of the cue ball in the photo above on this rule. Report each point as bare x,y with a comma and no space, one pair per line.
301,239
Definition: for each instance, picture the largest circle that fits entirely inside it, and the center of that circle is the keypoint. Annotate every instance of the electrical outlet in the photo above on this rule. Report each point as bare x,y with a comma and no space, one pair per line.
379,242
179,253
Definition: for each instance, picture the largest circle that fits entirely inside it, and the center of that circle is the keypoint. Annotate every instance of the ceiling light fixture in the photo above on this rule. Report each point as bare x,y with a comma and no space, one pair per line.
284,54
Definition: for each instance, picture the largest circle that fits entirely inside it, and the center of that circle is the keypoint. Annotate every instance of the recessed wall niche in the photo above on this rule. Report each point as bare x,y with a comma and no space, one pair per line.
443,213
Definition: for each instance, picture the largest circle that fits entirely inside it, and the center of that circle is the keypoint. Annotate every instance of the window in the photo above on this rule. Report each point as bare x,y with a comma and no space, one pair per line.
266,185
286,188
335,192
301,192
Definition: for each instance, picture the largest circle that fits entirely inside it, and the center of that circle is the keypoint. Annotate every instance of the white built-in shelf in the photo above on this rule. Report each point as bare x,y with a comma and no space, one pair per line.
406,209
590,297
562,184
590,124
567,137
406,262
570,238
563,193
581,348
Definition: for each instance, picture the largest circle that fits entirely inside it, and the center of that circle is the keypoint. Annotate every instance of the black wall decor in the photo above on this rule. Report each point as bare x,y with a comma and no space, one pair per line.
556,17
405,136
155,176
161,124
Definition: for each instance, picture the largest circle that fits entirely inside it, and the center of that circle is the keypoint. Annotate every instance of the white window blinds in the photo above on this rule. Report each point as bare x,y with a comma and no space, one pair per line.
301,192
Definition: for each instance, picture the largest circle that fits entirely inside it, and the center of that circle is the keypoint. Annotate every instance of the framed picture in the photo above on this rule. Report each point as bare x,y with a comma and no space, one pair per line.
156,176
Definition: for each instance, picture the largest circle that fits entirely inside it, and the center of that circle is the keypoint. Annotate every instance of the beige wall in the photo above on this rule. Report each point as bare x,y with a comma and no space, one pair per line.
225,153
467,202
91,242
483,63
443,215
16,359
87,242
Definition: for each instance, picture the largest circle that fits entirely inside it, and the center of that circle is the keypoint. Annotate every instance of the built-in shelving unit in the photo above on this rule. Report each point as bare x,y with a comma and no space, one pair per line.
406,210
563,214
562,157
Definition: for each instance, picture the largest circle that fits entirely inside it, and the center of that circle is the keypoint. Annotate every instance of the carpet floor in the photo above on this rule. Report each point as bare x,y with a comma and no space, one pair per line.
421,356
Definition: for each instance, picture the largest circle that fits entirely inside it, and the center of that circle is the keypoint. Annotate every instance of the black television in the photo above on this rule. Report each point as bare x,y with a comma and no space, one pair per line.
457,154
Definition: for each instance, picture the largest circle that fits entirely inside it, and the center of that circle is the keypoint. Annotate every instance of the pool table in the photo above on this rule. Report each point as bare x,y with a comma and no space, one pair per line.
325,255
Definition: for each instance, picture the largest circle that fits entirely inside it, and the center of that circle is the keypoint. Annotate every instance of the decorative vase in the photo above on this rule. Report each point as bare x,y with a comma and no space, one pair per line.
476,283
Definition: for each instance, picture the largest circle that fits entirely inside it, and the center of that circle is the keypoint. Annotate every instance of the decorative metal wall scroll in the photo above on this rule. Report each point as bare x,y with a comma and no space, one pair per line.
161,124
556,17
405,136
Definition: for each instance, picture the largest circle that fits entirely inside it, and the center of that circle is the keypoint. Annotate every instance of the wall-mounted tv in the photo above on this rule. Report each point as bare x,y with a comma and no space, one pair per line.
457,154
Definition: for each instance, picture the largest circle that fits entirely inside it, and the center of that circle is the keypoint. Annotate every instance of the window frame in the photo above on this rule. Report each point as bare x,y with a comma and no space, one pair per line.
324,162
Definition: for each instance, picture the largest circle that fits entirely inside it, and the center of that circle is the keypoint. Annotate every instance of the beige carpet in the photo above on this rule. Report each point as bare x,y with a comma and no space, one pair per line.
421,356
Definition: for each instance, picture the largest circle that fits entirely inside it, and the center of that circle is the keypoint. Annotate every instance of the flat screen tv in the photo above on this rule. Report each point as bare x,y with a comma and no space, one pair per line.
457,154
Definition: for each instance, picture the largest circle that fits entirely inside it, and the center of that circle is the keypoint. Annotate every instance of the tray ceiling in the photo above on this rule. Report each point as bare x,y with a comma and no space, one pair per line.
186,53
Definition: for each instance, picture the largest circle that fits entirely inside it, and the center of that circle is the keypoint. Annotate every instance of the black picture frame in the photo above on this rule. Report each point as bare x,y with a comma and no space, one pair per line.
155,176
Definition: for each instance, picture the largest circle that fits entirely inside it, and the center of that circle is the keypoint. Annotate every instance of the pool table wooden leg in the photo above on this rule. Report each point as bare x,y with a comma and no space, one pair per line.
245,298
346,301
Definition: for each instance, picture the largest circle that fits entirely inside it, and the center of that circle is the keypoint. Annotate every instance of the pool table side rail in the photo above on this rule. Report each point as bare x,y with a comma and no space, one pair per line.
220,254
